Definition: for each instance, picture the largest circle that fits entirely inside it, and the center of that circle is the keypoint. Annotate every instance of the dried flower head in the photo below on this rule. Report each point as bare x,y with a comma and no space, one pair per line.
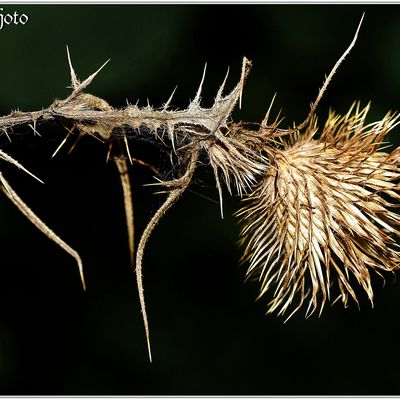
322,215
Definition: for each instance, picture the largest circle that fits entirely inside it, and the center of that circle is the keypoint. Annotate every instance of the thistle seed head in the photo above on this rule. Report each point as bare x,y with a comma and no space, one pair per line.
322,217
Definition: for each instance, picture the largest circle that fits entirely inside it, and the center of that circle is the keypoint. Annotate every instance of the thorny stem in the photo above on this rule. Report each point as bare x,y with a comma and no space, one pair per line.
329,78
180,184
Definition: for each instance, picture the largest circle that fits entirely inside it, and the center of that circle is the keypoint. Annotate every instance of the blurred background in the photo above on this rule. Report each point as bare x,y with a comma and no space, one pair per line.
209,336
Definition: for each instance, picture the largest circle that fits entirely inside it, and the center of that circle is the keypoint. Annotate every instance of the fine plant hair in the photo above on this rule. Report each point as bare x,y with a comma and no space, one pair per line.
318,204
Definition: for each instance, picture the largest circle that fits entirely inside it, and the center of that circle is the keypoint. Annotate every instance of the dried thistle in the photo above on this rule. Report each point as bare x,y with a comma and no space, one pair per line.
322,214
318,207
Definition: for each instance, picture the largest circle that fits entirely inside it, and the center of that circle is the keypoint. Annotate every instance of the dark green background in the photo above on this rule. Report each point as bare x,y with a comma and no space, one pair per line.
208,334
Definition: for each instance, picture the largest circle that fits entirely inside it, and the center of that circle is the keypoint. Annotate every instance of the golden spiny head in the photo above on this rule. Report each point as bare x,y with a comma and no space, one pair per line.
322,216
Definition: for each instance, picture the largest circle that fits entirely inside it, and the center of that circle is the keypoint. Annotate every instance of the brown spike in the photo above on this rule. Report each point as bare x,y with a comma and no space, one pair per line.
128,204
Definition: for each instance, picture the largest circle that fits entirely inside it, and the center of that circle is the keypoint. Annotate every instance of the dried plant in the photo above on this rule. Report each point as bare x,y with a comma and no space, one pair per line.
318,205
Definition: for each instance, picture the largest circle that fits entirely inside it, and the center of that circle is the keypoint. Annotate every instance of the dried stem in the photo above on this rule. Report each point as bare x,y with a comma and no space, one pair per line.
329,78
19,203
122,167
177,187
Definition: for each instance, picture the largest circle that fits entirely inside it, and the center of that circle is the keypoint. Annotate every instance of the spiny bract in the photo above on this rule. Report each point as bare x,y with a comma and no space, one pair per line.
322,212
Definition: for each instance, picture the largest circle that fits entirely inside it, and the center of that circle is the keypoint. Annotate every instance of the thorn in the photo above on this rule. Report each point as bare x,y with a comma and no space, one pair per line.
74,145
33,127
197,97
219,188
170,132
245,69
145,164
127,149
220,90
278,121
61,144
93,135
109,152
89,79
161,192
74,80
149,349
265,120
160,182
169,100
9,159
72,253
6,133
